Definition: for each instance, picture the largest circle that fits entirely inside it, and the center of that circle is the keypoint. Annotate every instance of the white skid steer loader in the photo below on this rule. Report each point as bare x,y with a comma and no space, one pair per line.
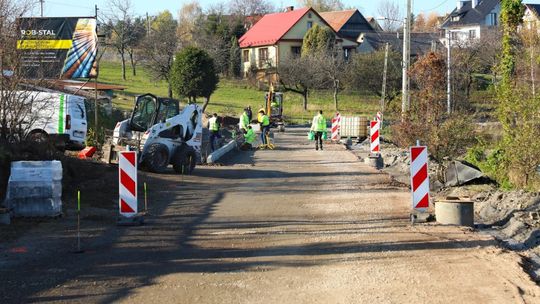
161,133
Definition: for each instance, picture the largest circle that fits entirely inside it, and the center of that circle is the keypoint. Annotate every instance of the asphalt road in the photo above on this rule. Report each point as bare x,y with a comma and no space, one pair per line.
292,225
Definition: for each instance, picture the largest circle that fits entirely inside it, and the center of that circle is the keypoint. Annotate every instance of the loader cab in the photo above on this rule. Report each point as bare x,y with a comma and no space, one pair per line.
150,110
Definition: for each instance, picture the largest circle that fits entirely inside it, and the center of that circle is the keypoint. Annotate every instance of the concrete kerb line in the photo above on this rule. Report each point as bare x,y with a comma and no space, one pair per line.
221,152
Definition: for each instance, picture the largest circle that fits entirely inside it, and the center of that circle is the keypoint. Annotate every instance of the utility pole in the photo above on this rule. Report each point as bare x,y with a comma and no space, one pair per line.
96,105
41,4
449,74
383,95
406,60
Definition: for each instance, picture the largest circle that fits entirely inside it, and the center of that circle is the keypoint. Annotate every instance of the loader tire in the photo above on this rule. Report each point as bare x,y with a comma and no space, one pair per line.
156,158
184,160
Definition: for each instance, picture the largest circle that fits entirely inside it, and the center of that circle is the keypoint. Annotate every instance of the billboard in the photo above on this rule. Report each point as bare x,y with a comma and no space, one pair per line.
57,47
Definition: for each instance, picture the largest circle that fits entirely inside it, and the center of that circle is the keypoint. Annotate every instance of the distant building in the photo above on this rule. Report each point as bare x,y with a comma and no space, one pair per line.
471,18
278,37
348,24
421,43
375,25
531,19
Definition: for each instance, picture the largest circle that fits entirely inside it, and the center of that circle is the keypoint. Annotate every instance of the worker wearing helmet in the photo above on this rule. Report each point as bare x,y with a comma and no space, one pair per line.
318,126
264,121
244,120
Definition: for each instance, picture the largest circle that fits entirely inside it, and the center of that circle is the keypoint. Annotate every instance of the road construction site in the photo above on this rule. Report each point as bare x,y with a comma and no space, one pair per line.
291,225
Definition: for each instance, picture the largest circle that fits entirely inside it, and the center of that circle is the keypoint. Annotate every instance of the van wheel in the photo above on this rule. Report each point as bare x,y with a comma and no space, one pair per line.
184,160
38,137
156,158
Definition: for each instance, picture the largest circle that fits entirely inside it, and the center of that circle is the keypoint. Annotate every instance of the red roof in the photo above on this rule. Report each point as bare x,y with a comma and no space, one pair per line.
271,28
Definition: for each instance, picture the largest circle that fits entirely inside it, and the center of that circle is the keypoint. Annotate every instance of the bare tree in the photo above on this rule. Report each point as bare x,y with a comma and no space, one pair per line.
18,107
250,7
391,12
323,5
119,26
300,75
160,46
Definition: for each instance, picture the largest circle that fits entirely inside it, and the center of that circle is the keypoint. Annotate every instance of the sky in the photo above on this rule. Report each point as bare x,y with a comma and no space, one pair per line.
53,8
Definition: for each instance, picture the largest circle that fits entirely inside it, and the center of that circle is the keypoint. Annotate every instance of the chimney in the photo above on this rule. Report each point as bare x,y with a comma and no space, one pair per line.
289,8
475,3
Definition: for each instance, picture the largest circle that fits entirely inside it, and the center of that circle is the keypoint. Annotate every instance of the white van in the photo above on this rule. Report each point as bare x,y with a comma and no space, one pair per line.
58,117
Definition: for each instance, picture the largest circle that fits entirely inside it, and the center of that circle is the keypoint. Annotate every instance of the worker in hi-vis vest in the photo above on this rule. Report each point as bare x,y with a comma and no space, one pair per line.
244,120
213,127
318,126
264,120
249,138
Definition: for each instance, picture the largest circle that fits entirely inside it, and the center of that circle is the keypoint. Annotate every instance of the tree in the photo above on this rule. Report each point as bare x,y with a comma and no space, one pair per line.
323,5
188,17
214,32
300,75
137,31
160,46
427,121
235,59
119,25
391,11
318,40
245,8
194,75
419,23
18,109
432,22
334,70
365,73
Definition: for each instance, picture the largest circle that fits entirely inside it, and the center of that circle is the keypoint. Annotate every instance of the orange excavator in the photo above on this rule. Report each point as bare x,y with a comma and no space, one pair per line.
274,108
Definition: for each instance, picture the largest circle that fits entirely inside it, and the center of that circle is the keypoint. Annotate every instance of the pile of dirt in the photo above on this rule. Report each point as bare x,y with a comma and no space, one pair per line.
513,217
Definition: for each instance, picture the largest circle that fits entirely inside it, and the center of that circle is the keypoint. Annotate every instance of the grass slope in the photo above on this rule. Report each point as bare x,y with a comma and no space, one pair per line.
233,95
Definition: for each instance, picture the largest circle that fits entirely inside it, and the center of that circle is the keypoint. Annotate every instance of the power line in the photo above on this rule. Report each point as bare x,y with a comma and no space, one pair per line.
438,6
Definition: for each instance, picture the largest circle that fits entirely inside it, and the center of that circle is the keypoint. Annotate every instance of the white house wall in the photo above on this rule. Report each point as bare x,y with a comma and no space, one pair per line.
463,34
254,57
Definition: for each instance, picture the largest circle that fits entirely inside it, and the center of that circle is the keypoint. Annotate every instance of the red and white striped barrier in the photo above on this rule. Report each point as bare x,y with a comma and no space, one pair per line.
336,121
375,137
419,178
127,175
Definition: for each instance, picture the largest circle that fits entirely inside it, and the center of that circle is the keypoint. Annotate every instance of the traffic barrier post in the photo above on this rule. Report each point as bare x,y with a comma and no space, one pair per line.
128,200
375,137
419,178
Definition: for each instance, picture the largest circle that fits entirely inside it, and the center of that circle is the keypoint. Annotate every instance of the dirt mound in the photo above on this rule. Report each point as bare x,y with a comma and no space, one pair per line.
497,207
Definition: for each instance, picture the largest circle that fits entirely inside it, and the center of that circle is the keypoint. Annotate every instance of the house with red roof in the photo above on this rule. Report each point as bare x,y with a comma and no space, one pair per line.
278,37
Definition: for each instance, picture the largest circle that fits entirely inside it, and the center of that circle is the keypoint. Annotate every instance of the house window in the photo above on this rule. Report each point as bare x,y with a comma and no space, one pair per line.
454,36
472,34
263,56
309,24
296,51
492,19
455,18
309,15
245,55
